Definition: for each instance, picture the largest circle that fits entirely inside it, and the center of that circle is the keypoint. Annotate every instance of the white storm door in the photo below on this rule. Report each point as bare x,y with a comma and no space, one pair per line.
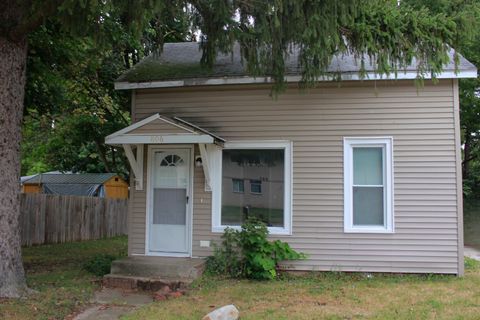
169,223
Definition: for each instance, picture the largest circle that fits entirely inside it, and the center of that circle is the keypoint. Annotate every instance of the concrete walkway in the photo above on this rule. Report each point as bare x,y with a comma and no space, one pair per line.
111,304
472,252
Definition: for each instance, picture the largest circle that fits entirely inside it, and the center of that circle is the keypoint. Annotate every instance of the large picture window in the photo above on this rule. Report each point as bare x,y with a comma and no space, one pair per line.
266,169
368,185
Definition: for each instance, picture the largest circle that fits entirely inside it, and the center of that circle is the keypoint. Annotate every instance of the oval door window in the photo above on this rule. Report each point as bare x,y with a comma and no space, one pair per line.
172,160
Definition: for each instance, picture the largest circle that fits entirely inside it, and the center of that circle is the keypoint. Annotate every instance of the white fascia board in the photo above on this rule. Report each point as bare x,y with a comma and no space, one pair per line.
159,139
124,85
353,76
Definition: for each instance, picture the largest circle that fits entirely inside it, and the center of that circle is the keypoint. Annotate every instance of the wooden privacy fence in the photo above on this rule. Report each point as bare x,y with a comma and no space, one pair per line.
57,218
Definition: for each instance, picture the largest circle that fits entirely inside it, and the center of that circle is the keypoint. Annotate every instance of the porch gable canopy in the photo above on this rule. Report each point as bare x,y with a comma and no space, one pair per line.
158,129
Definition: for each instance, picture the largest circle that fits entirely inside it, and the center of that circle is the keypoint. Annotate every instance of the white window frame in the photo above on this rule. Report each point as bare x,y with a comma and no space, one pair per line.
242,183
348,144
217,226
254,182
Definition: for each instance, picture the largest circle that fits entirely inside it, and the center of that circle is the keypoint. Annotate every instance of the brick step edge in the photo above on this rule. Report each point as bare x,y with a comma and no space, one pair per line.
144,284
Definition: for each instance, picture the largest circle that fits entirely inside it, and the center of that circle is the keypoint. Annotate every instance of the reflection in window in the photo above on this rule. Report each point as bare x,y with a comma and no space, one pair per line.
238,185
256,186
265,171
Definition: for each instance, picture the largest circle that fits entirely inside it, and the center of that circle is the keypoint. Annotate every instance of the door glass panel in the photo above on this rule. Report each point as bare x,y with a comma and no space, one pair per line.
169,206
170,171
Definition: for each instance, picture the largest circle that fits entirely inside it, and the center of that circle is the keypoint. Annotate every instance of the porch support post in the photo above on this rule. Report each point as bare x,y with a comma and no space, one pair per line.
205,166
136,164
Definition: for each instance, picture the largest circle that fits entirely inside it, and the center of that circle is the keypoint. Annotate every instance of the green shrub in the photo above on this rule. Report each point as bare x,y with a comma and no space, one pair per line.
248,253
226,258
100,264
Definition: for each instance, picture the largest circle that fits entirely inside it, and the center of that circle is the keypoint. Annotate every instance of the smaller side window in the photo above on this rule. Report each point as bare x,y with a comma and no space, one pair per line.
256,186
238,185
368,184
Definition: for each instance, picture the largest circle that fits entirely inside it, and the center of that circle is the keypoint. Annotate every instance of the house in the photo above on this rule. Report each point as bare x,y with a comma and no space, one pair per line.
104,185
359,175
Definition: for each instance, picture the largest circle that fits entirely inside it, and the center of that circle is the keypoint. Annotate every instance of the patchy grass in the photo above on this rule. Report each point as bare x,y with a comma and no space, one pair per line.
471,215
55,273
331,296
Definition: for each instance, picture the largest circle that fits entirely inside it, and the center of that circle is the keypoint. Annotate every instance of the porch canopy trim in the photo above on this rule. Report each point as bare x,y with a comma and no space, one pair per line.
191,133
182,132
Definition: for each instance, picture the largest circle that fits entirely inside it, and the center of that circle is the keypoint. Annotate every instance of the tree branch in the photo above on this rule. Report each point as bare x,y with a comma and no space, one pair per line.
469,159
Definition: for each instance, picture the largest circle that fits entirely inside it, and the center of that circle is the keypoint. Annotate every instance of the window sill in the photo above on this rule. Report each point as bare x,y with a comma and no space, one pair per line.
271,230
368,230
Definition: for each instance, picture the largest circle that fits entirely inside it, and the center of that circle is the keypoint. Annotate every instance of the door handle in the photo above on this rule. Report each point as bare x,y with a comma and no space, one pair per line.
188,199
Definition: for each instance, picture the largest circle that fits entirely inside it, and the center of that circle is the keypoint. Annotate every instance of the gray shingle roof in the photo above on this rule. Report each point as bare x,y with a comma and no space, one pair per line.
72,178
180,61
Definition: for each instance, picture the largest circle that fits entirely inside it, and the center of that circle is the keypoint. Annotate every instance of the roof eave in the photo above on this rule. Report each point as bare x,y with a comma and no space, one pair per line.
347,76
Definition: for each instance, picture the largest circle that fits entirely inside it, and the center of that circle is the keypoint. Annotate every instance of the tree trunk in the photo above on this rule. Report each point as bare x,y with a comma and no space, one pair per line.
103,154
13,56
466,155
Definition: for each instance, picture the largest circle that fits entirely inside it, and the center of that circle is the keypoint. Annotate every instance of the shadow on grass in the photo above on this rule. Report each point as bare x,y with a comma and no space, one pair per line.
55,272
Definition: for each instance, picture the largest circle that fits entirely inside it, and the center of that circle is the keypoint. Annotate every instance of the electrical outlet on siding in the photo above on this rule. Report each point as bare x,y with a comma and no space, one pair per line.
204,243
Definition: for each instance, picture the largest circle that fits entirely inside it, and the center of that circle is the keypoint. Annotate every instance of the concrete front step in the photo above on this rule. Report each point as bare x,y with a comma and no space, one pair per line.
143,283
159,267
153,273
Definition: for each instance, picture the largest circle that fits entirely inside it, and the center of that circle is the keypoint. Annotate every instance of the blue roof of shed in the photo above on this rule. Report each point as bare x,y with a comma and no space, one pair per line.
71,178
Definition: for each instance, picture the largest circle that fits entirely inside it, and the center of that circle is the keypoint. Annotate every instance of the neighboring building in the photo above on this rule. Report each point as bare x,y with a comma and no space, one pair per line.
104,185
359,175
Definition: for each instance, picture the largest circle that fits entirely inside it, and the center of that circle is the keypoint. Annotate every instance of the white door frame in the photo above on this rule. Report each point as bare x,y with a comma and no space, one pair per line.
149,204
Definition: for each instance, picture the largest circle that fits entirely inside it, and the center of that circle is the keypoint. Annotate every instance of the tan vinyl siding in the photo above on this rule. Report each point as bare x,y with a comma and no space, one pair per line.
421,122
137,222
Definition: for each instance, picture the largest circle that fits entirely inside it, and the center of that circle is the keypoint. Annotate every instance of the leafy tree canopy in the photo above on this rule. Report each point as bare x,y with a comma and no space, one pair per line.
468,43
388,33
70,103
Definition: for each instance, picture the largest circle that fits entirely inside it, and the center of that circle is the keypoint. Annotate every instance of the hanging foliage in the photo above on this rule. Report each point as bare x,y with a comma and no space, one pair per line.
382,32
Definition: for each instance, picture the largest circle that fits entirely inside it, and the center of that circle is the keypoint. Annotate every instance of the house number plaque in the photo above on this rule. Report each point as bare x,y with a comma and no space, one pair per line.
156,139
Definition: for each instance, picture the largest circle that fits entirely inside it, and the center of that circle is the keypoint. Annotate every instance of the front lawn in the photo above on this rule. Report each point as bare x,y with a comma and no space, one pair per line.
55,272
331,296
